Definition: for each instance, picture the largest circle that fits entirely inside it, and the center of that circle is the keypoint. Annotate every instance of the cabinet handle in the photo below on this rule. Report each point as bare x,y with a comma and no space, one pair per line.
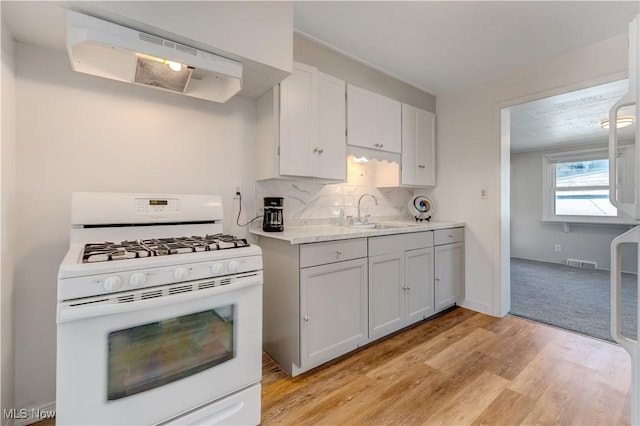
315,150
320,151
450,235
421,166
376,144
338,252
408,288
305,318
381,145
437,279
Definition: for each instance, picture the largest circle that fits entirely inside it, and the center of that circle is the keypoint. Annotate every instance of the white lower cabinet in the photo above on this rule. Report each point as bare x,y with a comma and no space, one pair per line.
386,294
449,273
322,300
449,267
314,301
419,284
333,310
400,281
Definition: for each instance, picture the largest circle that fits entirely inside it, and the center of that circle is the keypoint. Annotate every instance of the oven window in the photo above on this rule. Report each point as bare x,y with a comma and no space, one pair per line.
157,353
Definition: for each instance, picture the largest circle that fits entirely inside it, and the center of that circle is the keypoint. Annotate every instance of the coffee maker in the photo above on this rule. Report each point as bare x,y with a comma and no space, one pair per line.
273,218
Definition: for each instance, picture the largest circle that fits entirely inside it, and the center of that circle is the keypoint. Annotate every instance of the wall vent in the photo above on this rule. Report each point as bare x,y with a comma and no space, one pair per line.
582,264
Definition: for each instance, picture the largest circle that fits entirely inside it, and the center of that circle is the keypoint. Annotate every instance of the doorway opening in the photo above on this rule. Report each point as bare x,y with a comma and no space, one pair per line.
557,221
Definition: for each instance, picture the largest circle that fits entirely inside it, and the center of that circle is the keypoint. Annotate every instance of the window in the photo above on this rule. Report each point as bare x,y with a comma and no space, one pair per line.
576,187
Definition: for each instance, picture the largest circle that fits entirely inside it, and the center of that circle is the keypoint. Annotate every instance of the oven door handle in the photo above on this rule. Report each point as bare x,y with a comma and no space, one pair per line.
67,313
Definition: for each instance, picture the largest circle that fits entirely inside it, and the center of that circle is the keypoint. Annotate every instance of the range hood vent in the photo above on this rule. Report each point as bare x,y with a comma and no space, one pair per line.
112,51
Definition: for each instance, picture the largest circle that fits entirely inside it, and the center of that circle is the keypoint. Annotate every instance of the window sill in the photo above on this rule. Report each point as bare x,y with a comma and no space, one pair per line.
592,220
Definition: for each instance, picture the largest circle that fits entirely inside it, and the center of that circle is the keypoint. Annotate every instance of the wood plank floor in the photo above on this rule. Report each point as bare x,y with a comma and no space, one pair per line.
461,368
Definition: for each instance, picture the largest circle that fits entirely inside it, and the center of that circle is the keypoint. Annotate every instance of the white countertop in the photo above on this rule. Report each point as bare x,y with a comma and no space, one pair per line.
314,234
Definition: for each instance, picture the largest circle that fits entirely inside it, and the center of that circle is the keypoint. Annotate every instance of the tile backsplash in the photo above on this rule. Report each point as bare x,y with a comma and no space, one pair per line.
308,202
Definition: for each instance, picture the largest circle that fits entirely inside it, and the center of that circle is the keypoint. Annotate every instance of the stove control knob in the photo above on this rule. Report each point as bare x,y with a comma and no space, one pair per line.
233,266
137,279
180,274
217,268
112,283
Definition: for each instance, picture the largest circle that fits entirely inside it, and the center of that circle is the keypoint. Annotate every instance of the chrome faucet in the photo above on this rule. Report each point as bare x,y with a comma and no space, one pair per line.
359,218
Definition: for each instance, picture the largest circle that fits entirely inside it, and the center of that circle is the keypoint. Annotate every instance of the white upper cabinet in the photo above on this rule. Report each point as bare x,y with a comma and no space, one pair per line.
301,127
362,117
330,162
298,121
389,124
418,147
373,120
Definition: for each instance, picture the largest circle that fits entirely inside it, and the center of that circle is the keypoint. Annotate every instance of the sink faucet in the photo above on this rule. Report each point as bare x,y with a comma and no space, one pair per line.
360,199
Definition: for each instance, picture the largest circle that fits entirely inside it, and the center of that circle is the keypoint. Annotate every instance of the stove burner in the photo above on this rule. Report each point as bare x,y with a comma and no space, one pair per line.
102,252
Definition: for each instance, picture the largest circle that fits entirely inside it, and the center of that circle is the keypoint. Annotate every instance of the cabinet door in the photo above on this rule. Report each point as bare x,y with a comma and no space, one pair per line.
449,275
386,294
418,147
426,147
333,308
362,117
298,125
419,284
331,156
389,124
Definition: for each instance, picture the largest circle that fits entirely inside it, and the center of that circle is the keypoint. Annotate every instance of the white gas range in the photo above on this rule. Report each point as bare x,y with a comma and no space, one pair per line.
159,314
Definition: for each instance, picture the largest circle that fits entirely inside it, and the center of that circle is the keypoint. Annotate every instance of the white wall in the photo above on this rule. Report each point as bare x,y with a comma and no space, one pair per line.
357,73
7,218
82,133
533,239
469,155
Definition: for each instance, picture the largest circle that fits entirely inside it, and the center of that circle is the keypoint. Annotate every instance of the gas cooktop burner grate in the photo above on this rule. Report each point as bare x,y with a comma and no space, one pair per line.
103,252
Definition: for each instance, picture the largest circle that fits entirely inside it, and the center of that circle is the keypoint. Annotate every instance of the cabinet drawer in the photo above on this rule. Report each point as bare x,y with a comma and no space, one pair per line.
332,251
399,242
447,236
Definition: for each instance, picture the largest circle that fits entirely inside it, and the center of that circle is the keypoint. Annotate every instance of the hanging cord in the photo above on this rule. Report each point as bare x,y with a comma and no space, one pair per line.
240,211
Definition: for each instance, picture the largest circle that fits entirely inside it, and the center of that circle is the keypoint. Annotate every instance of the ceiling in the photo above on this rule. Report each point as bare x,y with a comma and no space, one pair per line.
437,46
444,46
569,119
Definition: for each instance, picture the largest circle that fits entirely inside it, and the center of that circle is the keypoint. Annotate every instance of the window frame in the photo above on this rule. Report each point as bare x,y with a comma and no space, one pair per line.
549,187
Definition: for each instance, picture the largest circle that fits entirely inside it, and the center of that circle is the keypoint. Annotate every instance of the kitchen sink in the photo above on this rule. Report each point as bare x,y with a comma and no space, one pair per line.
379,225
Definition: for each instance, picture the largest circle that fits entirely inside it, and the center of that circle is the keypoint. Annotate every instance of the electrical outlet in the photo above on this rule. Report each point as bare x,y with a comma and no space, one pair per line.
484,193
237,188
558,248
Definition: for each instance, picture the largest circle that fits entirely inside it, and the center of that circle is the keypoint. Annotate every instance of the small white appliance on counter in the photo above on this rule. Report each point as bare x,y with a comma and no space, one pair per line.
631,209
159,317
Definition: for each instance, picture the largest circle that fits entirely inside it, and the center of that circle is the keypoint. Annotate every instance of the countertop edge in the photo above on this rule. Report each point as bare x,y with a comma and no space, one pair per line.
320,233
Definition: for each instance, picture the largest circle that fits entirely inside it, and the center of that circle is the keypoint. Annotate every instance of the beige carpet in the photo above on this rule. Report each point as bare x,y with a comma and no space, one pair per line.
575,299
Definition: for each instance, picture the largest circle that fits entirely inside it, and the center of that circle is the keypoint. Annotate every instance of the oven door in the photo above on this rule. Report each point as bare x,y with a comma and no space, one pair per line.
147,356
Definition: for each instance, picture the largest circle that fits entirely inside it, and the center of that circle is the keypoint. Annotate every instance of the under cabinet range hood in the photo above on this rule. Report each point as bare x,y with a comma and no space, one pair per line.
112,51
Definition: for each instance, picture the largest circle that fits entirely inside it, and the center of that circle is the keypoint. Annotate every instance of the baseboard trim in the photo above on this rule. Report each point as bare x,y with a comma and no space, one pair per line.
475,305
29,415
